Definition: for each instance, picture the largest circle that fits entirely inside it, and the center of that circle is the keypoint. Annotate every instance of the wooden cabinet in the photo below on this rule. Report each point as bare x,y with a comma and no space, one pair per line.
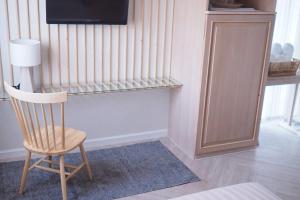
234,69
221,57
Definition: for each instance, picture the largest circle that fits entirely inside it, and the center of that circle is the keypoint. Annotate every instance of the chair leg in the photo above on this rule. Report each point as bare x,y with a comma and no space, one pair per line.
49,164
25,171
86,162
63,177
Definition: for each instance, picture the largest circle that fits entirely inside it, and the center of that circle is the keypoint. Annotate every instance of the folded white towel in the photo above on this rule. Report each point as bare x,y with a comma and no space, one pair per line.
282,53
288,51
276,49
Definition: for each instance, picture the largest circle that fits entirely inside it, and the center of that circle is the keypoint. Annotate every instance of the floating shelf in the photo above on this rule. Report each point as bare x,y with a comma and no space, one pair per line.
282,80
107,87
3,95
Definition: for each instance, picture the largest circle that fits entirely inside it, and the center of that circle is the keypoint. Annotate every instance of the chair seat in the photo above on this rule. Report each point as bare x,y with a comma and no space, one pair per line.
73,138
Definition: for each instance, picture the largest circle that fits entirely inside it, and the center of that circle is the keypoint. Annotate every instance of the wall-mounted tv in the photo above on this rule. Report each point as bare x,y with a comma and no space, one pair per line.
87,11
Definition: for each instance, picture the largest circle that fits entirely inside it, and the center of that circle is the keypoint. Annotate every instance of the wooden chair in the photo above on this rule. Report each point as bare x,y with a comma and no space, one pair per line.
49,140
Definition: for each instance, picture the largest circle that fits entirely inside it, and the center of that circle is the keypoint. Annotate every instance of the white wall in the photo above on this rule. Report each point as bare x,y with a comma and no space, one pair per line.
107,119
89,53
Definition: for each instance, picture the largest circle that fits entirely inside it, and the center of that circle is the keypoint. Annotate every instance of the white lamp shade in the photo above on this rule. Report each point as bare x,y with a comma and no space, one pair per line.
25,52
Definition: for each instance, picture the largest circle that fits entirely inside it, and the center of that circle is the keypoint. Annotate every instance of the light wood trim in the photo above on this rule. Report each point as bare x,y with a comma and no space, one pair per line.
85,57
38,125
110,54
58,53
73,138
50,170
62,110
143,36
75,171
52,125
86,162
19,118
134,39
204,147
6,14
126,53
119,54
49,56
68,54
239,13
264,74
157,39
1,73
150,41
36,97
28,18
165,40
36,163
46,126
56,38
19,27
40,36
25,121
63,140
63,177
25,171
172,34
76,56
102,53
94,58
50,161
32,125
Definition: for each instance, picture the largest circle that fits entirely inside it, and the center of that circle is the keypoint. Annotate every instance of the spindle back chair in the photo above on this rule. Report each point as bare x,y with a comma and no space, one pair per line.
46,138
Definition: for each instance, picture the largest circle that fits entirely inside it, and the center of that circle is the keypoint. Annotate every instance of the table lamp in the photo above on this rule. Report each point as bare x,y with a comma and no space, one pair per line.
25,54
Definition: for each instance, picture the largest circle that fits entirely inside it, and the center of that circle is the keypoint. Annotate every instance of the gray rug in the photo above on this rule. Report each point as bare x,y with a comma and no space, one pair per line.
118,172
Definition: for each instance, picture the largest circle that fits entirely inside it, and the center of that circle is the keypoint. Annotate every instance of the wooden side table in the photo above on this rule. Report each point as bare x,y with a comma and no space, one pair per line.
283,80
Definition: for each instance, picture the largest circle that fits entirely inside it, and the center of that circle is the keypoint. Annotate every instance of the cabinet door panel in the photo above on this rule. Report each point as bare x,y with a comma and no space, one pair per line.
234,65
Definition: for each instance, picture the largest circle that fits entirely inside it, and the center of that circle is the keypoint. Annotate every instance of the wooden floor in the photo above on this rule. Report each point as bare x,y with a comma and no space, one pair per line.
274,164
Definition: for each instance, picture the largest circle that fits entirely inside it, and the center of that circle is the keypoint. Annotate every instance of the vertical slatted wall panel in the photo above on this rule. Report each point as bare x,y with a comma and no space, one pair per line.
91,53
130,50
98,53
73,51
35,33
45,41
7,69
14,32
1,76
161,38
64,54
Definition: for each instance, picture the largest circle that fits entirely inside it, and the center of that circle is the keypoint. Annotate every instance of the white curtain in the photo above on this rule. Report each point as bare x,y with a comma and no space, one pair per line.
278,99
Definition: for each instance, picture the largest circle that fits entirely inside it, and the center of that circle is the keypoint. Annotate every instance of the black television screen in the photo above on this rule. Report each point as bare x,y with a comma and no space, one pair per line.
87,11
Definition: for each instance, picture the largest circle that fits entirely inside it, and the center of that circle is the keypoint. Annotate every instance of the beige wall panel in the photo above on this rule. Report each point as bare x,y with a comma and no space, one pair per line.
234,68
88,53
187,50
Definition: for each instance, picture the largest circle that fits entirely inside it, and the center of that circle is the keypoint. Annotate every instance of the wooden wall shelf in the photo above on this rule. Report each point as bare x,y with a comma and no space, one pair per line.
108,87
239,13
282,80
3,95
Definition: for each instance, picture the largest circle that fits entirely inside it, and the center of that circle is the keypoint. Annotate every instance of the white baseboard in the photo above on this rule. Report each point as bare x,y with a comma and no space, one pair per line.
94,144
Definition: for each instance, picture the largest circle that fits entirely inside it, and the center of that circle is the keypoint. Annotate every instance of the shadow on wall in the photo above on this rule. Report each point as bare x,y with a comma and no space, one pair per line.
101,116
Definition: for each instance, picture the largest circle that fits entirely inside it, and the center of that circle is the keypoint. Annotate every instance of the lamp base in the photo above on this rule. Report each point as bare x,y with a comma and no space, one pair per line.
26,79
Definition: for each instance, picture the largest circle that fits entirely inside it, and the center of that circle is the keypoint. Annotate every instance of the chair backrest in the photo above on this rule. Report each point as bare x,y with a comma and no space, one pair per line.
24,104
